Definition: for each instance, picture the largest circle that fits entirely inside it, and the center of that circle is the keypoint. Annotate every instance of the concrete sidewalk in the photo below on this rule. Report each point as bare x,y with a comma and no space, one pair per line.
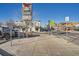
44,45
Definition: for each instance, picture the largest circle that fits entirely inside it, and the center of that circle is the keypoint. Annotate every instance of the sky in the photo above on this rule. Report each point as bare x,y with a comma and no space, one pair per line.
41,11
10,11
56,12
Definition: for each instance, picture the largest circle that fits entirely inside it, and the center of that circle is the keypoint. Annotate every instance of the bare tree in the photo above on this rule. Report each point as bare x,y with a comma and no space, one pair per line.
10,23
1,24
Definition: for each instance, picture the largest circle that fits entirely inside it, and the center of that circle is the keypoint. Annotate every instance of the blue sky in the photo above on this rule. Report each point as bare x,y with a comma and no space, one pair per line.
10,11
57,12
41,11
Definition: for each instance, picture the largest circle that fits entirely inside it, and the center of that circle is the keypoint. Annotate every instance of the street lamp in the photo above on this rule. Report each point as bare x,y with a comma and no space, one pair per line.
66,20
11,35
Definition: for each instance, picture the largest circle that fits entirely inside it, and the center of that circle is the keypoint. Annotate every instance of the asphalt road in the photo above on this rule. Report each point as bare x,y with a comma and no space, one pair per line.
70,36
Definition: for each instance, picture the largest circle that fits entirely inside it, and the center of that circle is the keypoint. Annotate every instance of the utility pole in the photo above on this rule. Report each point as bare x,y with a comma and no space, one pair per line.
10,25
66,20
11,35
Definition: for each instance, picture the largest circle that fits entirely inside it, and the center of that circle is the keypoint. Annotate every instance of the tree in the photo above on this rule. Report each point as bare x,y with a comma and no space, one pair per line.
1,24
10,23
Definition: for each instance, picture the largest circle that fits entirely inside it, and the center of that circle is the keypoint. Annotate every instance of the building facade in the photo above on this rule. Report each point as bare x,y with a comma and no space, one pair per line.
35,26
69,26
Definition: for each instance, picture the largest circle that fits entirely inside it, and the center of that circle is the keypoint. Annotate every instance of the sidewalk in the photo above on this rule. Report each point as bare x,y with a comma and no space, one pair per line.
44,45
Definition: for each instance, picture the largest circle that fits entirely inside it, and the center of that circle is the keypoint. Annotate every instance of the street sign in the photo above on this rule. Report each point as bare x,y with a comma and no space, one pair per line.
67,18
26,11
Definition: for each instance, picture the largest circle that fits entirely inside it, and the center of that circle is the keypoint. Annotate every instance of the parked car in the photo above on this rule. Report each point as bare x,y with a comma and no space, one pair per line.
6,32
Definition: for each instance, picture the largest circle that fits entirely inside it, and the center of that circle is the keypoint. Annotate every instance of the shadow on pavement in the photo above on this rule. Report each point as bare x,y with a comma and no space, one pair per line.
3,42
4,53
33,36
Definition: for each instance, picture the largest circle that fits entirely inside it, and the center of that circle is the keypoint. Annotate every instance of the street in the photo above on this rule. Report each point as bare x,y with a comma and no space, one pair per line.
70,36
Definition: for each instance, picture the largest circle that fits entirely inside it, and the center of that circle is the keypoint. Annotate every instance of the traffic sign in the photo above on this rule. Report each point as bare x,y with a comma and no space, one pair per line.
67,18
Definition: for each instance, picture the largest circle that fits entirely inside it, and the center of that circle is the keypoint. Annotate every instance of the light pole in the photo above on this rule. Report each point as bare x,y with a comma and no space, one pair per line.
10,26
11,35
66,20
